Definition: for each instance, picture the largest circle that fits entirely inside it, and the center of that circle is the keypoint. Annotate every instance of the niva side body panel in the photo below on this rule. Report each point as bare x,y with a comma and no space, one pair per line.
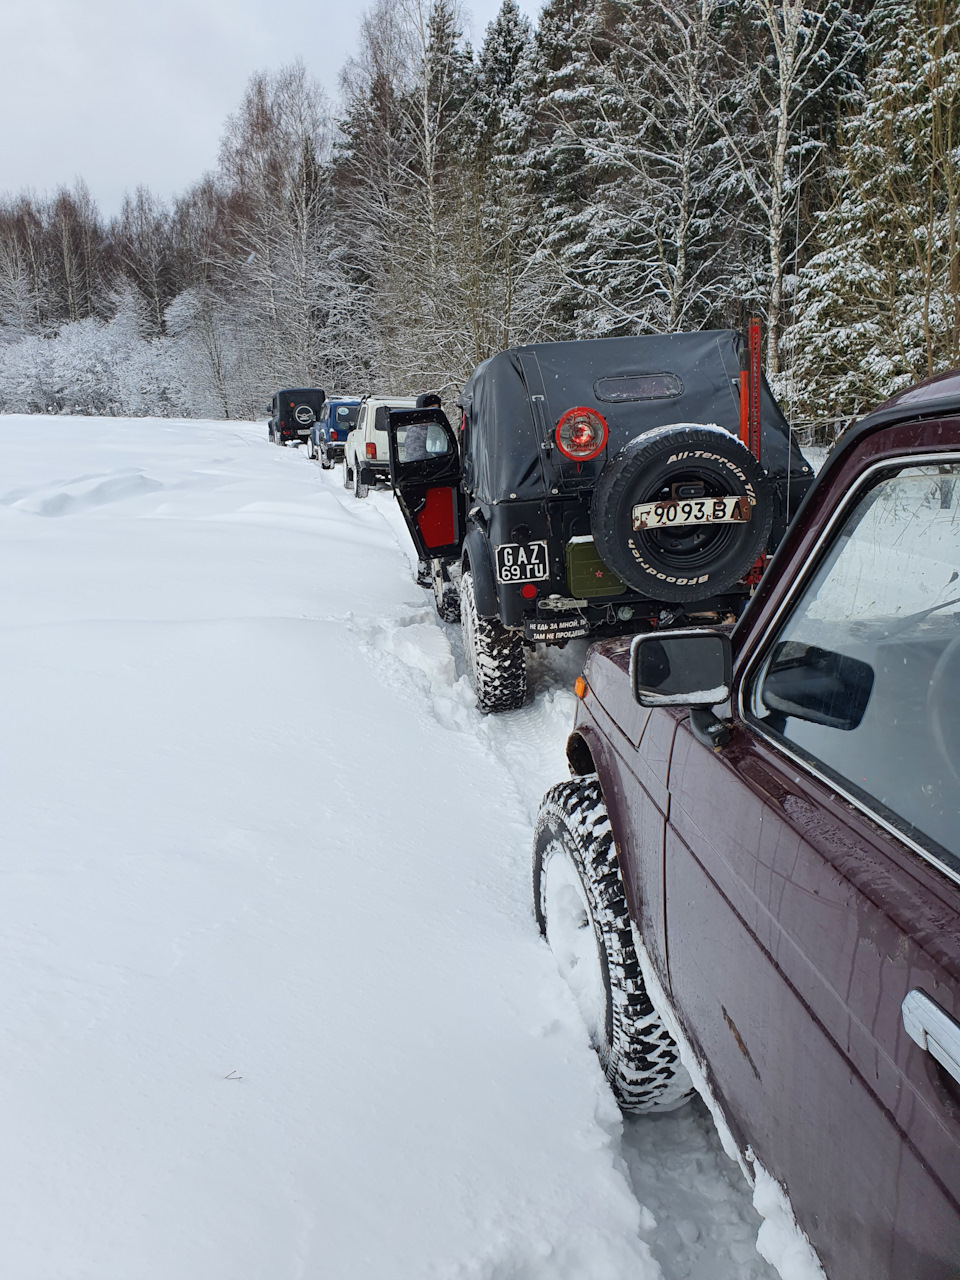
798,888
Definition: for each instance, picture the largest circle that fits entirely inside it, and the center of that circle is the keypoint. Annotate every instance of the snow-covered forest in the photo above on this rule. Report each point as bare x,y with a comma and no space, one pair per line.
623,166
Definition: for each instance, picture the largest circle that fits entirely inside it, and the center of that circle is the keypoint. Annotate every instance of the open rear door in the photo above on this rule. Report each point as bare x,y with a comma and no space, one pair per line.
425,474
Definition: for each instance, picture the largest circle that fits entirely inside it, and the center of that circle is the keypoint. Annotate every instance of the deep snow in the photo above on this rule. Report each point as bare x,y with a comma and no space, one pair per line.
272,1001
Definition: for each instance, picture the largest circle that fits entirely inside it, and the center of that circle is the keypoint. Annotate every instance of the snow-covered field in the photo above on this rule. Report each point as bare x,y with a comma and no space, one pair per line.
272,1003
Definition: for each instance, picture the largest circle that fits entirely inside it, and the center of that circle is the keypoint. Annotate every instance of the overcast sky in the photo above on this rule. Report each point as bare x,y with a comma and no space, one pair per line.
130,92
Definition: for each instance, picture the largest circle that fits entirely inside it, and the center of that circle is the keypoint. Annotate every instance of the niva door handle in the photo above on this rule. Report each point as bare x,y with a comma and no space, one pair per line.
933,1029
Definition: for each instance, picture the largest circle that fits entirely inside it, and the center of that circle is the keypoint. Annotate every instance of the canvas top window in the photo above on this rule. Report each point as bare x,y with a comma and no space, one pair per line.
638,386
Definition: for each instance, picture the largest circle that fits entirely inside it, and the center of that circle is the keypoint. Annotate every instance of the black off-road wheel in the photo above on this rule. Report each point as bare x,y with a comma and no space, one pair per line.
325,463
682,467
347,476
359,490
581,909
448,603
496,665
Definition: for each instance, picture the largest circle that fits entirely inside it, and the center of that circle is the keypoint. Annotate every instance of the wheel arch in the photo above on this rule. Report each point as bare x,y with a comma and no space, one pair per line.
579,755
589,754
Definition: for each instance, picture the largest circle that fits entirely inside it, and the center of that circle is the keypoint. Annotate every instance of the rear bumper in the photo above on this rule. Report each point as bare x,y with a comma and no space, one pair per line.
598,618
333,451
374,473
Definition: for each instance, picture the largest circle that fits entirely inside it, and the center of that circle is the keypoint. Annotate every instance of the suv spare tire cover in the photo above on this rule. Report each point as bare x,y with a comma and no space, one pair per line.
682,563
304,415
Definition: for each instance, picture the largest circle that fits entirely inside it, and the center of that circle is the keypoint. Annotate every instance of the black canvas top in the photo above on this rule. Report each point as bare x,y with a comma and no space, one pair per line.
513,402
313,396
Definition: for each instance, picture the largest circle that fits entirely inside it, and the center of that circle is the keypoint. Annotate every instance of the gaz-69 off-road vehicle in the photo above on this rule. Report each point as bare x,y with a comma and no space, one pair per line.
293,413
336,420
603,487
755,870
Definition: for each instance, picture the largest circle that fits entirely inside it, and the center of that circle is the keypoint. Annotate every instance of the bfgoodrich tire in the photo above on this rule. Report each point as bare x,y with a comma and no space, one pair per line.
682,563
582,911
495,660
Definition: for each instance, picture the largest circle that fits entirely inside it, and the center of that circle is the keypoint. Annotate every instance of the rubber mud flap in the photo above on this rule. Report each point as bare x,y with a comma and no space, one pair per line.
476,550
682,562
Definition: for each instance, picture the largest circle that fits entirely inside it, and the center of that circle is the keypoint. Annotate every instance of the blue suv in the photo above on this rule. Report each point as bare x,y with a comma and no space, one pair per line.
337,417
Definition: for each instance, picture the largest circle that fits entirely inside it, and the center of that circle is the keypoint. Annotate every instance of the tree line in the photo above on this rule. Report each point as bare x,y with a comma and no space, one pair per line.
618,167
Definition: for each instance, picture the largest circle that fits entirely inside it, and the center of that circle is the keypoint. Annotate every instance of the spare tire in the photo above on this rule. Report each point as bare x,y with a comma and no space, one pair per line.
688,462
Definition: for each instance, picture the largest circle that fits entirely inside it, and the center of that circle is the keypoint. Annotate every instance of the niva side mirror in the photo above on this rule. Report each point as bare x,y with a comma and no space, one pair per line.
681,668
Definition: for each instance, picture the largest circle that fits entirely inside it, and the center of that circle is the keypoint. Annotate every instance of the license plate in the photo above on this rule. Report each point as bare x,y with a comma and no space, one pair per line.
303,431
547,629
667,515
521,563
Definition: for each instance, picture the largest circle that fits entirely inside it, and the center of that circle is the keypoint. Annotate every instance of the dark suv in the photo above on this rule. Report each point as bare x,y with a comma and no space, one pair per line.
292,414
608,486
756,866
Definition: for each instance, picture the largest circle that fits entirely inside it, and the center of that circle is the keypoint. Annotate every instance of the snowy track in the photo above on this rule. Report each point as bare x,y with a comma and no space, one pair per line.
272,1001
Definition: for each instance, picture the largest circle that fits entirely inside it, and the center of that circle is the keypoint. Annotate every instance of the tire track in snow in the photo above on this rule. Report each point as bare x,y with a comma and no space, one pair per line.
697,1215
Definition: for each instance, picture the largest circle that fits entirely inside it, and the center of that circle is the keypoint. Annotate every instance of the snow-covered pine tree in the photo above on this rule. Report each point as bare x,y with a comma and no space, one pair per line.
879,304
545,137
490,267
657,212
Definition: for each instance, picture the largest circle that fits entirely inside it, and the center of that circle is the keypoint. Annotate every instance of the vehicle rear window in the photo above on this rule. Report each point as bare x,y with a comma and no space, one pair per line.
863,679
638,386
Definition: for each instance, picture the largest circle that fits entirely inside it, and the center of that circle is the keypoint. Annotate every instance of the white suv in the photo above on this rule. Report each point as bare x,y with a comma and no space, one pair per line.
366,460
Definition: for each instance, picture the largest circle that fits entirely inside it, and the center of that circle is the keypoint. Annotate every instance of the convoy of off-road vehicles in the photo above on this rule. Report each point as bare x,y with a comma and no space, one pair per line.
751,882
594,488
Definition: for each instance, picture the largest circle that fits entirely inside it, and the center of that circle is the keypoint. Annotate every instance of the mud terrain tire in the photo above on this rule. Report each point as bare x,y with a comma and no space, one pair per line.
447,604
496,665
638,1055
688,562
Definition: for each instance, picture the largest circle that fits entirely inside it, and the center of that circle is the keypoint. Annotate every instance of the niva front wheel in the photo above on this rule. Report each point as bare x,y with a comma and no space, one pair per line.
582,912
495,660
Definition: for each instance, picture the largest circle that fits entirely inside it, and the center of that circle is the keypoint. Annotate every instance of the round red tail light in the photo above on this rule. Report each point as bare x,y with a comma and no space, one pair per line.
581,434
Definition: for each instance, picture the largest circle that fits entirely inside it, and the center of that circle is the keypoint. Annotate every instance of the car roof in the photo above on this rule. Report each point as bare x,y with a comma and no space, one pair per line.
936,397
932,399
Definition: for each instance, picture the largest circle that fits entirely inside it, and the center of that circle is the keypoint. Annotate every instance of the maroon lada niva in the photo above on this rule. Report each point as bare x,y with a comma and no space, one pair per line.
753,878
